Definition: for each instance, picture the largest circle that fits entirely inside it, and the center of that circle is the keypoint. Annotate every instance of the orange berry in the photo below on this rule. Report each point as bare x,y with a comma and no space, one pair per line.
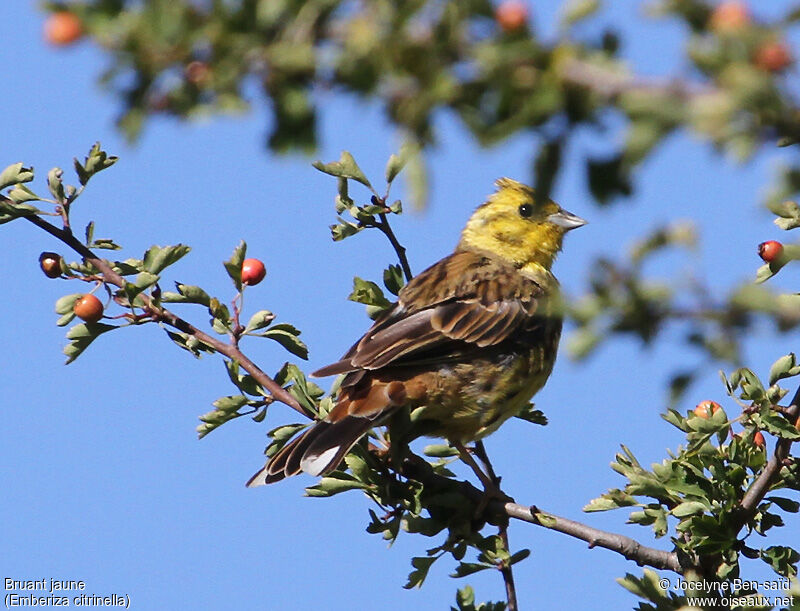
88,308
511,15
253,271
730,17
197,72
706,409
50,263
773,57
759,440
770,250
62,28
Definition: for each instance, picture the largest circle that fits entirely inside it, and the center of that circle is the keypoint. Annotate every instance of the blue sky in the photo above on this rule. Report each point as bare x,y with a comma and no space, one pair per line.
104,480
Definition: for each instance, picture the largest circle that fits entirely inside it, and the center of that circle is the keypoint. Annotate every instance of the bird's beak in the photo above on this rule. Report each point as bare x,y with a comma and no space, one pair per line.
567,220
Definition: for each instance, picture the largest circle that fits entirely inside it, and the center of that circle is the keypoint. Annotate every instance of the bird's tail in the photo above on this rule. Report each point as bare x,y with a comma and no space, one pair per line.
321,448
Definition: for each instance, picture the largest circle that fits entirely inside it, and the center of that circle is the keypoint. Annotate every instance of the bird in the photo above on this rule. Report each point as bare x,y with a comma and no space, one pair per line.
469,341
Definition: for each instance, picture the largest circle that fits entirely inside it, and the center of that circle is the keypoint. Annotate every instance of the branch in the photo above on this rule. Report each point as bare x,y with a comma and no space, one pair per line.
630,548
610,83
417,468
759,488
111,277
505,570
386,229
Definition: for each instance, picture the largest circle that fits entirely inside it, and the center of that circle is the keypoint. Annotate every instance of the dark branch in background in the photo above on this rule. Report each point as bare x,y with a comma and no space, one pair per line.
631,549
171,319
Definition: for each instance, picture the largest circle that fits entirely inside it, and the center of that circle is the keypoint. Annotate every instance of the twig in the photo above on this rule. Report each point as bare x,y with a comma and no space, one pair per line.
502,530
112,277
386,229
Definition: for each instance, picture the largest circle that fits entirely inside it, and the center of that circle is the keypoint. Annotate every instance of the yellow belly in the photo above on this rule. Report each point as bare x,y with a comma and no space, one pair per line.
467,401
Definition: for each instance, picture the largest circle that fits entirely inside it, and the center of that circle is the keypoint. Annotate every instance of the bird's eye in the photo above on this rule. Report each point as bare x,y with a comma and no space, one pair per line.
525,210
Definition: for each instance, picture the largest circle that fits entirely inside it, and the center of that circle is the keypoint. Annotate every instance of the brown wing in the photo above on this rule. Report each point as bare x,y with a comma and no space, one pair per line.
464,302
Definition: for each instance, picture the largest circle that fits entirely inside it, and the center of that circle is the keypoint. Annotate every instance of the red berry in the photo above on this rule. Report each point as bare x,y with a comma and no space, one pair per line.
50,263
253,271
759,440
197,73
730,17
62,28
88,308
770,250
773,57
706,409
511,15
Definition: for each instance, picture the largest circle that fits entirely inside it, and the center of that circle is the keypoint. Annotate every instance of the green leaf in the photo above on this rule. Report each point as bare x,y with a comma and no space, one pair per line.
421,565
213,420
231,403
777,425
393,279
89,233
66,319
416,174
286,335
81,336
55,184
465,598
259,320
333,484
368,293
468,568
788,505
613,499
519,556
189,343
158,258
688,508
186,294
346,167
105,244
244,382
577,10
440,450
21,194
83,175
306,392
394,166
784,367
783,560
96,161
343,230
343,200
234,265
14,174
65,304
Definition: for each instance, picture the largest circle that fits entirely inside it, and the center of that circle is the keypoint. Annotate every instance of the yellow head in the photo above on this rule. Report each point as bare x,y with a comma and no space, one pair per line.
516,226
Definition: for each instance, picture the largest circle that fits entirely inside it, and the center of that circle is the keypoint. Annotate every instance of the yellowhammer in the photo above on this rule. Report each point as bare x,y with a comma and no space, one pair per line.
469,341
